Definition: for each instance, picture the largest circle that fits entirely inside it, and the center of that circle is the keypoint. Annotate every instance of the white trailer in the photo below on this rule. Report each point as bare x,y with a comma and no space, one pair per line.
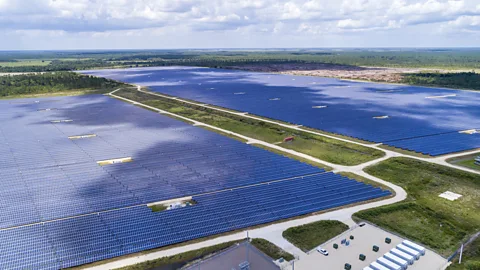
410,251
407,257
388,264
414,246
395,259
377,266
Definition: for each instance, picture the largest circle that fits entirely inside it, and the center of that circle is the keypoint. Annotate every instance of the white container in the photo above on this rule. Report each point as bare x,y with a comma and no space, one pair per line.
410,251
377,266
397,260
388,264
414,246
407,257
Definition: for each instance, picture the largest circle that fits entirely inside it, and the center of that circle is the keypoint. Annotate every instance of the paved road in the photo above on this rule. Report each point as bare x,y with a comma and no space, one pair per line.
273,232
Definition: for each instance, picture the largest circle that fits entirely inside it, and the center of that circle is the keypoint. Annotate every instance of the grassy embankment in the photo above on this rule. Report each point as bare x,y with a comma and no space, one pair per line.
182,259
466,161
327,149
309,236
271,249
424,217
470,258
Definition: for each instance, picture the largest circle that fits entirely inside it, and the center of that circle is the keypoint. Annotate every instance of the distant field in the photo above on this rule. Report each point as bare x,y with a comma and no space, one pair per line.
448,59
21,63
424,217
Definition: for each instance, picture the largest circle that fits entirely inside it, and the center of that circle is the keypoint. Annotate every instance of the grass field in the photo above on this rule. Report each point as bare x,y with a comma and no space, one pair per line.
21,63
470,258
182,259
271,249
466,161
158,208
179,260
327,149
309,236
80,92
424,217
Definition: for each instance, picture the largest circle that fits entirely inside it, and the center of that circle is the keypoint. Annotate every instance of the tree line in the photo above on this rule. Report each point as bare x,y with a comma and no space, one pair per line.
12,85
466,80
459,59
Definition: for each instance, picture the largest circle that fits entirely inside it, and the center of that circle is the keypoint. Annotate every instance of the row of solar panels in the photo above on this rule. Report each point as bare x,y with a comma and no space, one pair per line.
346,108
75,241
440,144
48,176
56,196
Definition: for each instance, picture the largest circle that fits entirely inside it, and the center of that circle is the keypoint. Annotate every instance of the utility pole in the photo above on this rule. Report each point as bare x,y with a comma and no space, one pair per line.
461,252
293,264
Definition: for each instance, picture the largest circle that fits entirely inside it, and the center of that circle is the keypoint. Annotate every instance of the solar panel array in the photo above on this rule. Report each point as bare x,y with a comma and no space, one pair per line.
59,208
59,177
81,240
396,115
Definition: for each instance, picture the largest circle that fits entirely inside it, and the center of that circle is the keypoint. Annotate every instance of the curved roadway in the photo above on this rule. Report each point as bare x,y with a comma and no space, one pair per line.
273,233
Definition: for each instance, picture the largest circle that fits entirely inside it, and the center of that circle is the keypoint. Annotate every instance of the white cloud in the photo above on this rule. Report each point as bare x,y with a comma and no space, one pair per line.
298,19
466,23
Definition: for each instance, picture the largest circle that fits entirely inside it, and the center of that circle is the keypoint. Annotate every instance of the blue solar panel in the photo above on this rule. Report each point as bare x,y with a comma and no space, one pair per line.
95,237
341,107
46,175
54,187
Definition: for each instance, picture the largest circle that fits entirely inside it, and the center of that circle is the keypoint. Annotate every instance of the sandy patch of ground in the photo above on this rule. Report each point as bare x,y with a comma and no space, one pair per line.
392,75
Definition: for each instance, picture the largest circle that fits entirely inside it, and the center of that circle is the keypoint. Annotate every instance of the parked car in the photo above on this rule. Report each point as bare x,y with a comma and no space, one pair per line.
322,251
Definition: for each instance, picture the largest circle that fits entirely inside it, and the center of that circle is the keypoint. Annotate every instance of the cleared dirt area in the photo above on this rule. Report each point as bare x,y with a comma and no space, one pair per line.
383,74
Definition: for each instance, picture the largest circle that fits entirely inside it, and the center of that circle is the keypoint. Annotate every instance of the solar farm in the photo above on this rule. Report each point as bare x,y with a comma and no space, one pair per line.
431,121
78,174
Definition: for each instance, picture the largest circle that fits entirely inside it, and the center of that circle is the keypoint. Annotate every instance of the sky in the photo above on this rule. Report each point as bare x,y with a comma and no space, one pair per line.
170,24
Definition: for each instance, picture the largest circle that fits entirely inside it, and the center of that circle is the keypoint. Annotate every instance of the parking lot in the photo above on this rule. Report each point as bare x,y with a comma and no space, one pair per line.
364,239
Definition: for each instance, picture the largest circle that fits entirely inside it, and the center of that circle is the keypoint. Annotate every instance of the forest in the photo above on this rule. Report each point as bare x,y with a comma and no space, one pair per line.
51,83
464,59
467,80
459,67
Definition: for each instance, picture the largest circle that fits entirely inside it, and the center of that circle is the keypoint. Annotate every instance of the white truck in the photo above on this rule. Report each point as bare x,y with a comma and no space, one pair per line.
388,264
407,257
397,260
410,251
414,246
